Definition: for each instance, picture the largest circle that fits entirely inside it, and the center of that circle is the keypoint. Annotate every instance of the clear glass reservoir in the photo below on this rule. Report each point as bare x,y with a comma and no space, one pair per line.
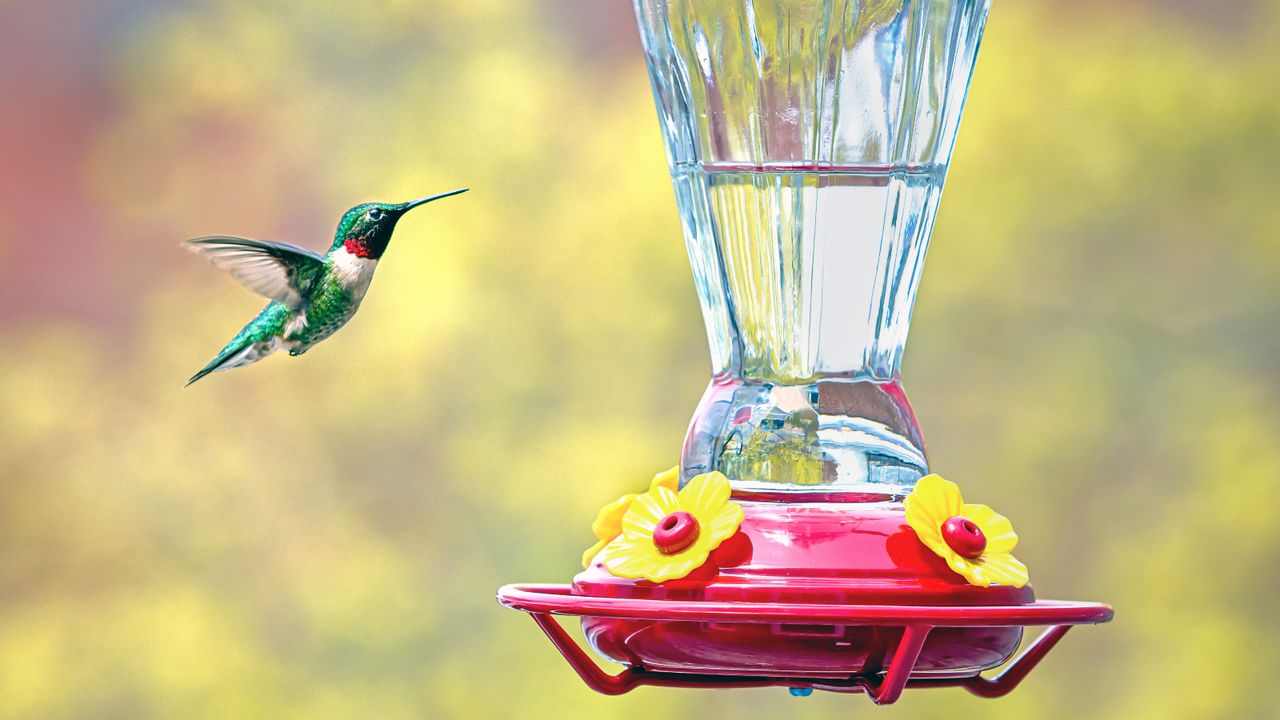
808,141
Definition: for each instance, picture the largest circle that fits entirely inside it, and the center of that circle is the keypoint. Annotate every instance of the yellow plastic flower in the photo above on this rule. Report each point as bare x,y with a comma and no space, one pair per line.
975,540
667,535
608,524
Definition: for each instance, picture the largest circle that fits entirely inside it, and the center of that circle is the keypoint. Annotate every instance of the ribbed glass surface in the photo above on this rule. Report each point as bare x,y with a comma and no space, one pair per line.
808,141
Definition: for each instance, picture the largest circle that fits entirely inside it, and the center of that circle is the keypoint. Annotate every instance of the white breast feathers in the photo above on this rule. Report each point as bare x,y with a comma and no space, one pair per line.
353,272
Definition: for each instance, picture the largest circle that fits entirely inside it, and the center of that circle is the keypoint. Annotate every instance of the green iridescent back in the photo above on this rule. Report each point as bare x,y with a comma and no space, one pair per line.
331,306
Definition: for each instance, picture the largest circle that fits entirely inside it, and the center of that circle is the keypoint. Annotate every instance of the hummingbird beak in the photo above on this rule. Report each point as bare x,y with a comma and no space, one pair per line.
423,201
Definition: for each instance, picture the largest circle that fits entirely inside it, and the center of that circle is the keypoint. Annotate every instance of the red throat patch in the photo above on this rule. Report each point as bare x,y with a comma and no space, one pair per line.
356,246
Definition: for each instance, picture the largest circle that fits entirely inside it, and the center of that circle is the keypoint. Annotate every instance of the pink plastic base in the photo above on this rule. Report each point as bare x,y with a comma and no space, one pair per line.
885,671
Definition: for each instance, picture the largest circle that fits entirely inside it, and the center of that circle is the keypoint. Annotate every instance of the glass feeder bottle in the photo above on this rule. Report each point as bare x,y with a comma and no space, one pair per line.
808,143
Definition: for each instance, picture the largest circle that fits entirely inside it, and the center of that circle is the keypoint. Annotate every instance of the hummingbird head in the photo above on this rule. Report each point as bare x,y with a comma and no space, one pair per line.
365,230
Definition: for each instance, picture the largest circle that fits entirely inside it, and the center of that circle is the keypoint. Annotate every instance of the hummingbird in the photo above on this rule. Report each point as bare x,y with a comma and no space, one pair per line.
312,295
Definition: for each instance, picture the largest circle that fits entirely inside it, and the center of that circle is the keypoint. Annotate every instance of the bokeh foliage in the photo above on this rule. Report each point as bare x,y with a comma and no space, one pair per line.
1095,353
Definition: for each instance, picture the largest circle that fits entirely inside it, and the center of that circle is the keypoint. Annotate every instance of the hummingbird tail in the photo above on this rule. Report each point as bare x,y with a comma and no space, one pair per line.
258,339
225,360
238,353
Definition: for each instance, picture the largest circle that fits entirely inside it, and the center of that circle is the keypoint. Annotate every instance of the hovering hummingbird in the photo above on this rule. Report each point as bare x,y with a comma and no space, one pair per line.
311,295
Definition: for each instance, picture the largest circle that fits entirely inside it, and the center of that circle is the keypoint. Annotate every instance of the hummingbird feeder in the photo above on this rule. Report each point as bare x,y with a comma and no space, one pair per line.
802,541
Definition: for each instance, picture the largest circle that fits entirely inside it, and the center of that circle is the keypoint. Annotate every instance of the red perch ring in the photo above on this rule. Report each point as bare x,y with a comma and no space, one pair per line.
909,625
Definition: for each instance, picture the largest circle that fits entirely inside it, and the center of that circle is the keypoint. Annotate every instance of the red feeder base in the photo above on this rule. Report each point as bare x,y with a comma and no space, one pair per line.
891,669
830,596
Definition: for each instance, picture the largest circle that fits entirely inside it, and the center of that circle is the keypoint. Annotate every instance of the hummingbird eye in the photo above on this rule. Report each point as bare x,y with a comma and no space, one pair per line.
376,214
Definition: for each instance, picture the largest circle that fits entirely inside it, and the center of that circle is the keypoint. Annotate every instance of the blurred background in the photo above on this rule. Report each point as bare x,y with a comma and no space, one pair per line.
1095,351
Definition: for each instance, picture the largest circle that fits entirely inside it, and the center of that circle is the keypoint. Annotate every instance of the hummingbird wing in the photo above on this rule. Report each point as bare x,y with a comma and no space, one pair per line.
279,271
